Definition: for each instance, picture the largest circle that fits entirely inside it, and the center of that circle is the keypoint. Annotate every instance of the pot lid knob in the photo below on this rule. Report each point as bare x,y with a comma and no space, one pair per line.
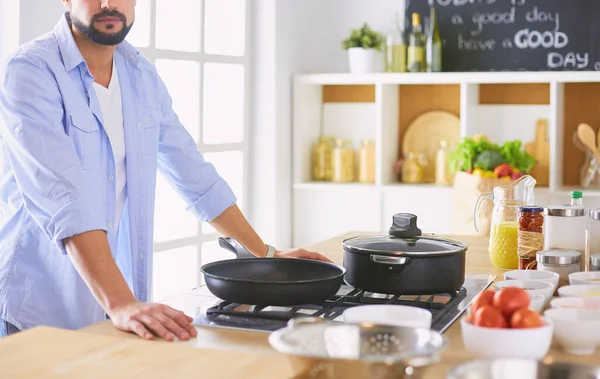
404,225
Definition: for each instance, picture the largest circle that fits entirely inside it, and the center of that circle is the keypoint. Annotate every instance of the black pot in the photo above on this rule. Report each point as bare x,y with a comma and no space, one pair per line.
405,262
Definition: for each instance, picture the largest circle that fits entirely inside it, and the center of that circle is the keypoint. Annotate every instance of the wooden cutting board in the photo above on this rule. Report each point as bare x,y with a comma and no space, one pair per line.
540,149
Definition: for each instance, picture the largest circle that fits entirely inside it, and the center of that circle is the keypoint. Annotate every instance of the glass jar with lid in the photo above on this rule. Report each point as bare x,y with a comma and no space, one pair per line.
366,162
595,262
343,161
563,262
322,159
593,235
412,169
565,229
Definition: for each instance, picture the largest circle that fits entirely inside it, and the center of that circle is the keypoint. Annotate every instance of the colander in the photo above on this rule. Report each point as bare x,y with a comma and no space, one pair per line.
331,349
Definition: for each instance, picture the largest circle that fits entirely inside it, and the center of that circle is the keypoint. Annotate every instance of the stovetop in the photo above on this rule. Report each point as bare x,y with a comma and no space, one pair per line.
445,308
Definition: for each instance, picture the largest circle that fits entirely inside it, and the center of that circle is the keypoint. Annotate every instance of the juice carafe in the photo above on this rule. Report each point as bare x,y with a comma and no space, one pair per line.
504,225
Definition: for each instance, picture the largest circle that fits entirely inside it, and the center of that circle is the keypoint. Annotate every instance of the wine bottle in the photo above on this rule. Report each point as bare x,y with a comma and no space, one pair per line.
434,44
415,59
395,49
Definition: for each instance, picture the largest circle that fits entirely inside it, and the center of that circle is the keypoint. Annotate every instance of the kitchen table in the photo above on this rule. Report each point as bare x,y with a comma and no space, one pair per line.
101,350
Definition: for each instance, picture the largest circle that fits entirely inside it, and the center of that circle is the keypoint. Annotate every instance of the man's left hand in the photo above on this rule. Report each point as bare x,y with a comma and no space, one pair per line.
302,253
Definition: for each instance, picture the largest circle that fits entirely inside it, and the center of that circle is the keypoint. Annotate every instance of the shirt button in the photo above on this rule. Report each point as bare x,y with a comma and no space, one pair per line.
110,177
110,224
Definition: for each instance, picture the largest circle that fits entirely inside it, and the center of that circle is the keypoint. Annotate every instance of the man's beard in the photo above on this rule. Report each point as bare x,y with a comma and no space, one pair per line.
95,35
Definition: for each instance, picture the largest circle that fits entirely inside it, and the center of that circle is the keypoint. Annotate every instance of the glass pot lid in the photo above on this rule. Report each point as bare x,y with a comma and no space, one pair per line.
404,238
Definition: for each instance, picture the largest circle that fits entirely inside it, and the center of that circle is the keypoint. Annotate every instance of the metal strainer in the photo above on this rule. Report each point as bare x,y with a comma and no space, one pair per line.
331,349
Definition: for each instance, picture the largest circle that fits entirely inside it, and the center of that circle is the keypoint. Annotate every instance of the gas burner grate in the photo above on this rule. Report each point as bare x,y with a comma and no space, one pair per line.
444,309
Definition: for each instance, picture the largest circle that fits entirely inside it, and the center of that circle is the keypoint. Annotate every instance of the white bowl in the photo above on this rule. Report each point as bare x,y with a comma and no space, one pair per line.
389,314
577,330
530,343
531,286
544,276
579,290
538,301
576,302
585,277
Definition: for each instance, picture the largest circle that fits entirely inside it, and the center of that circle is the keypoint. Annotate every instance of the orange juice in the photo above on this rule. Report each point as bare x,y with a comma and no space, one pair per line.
503,245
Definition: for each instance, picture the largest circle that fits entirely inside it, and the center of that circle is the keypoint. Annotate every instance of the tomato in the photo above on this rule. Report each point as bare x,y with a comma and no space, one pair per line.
509,299
489,317
525,318
484,298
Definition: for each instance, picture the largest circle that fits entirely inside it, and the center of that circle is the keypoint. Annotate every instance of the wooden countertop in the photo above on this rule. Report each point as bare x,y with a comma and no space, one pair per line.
101,350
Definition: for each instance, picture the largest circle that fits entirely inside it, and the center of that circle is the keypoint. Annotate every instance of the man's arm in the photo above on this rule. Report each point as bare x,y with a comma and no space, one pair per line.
51,182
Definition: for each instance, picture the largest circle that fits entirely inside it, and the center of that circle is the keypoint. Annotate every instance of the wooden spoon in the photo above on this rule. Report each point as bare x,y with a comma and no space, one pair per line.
588,137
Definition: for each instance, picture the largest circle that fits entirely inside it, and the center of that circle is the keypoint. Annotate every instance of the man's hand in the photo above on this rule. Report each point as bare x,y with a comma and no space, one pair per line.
301,253
150,319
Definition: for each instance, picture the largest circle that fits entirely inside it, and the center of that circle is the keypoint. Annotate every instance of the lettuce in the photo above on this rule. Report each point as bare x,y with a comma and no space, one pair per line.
465,155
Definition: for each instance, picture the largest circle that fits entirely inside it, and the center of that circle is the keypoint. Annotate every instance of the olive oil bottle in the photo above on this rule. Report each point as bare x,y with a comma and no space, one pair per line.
434,44
416,54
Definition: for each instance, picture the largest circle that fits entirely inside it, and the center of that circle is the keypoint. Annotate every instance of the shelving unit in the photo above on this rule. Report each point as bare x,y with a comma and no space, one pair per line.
502,105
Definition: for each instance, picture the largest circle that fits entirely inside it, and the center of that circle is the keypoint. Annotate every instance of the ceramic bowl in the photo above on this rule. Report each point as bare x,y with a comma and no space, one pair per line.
577,330
576,302
538,301
544,276
585,277
531,343
531,286
388,314
580,290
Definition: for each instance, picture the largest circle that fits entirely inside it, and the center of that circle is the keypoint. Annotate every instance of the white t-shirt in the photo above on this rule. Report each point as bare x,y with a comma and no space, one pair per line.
112,114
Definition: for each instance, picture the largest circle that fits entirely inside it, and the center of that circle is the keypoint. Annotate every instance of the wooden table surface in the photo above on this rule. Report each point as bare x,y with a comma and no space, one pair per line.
101,350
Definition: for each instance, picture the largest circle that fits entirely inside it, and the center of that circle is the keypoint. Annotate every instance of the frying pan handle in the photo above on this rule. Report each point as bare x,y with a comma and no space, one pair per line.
393,263
232,245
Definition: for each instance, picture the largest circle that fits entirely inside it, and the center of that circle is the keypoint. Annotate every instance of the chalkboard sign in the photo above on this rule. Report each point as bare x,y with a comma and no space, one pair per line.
515,35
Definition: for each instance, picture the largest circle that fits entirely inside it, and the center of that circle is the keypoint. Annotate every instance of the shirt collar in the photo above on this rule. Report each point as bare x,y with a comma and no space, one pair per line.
72,56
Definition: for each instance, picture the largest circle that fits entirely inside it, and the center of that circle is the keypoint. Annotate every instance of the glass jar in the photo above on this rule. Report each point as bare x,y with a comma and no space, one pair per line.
530,236
442,174
592,239
412,169
562,262
343,161
565,228
595,262
322,159
366,162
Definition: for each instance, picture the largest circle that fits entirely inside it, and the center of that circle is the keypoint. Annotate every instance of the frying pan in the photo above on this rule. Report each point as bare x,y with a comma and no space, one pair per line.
271,281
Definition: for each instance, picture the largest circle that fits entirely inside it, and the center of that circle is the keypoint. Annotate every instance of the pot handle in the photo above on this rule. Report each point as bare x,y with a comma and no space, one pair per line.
390,261
232,245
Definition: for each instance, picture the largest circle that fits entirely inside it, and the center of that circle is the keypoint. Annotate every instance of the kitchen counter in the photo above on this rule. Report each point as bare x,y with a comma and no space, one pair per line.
100,349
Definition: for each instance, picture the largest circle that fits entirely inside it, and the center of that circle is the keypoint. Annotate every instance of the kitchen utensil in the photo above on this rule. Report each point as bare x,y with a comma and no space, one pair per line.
271,281
585,277
540,150
328,349
424,134
522,369
580,290
404,261
588,137
389,314
503,243
531,343
543,276
577,330
531,286
590,170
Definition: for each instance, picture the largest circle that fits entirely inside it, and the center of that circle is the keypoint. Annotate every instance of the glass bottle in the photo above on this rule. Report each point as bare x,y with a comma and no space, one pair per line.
415,51
442,175
577,198
503,242
395,49
412,169
366,162
434,44
322,159
530,236
343,161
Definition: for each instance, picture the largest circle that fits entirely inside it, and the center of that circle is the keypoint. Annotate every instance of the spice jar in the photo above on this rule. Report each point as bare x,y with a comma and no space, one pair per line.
343,161
530,236
565,228
595,262
593,235
322,159
366,162
562,262
412,169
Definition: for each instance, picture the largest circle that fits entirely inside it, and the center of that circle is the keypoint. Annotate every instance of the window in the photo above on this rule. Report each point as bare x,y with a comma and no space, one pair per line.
200,50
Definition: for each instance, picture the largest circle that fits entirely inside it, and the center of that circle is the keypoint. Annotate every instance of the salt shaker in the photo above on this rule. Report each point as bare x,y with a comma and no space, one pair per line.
566,229
593,235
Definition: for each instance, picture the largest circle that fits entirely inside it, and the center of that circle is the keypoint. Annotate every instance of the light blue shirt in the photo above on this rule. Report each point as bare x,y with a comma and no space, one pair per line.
57,177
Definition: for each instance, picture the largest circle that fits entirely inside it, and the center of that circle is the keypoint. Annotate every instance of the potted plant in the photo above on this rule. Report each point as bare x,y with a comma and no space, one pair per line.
364,47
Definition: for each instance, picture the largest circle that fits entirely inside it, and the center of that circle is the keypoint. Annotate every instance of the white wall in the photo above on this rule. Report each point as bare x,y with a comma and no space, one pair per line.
38,17
9,26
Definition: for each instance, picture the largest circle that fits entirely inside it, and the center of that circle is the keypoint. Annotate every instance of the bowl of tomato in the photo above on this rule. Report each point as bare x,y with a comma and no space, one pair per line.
502,324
